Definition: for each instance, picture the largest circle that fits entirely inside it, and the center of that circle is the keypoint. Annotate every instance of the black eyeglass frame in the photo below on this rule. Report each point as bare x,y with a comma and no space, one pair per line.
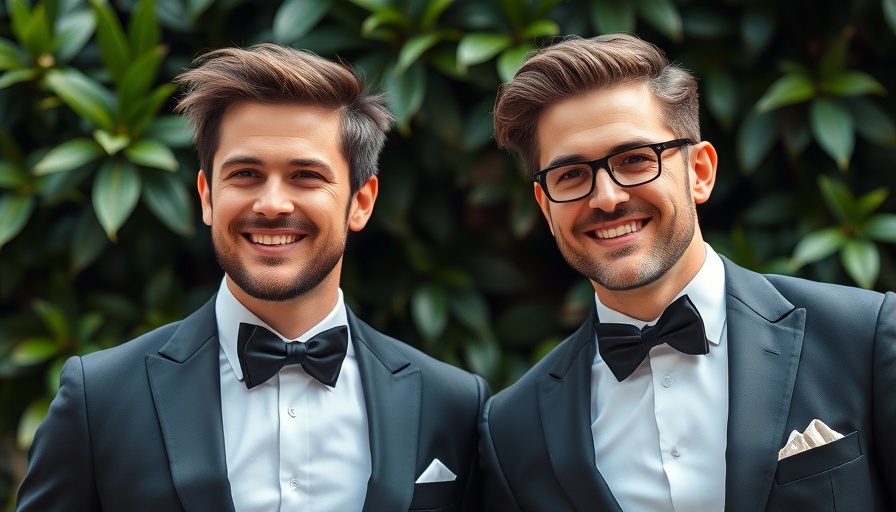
604,163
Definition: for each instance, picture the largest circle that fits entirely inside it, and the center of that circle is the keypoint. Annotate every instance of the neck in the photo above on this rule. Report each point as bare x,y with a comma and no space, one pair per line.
647,302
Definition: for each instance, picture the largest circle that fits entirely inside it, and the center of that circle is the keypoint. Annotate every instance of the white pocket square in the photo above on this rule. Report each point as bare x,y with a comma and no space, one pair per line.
436,472
816,434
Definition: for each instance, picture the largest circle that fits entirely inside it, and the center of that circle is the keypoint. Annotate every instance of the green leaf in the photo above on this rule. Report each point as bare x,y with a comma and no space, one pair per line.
33,351
54,318
757,135
405,92
414,48
789,89
757,29
662,15
19,17
172,131
872,122
610,17
38,37
143,29
11,177
881,227
69,155
839,199
88,241
432,11
478,48
116,189
383,18
72,32
541,28
817,245
871,201
151,153
88,325
197,7
832,127
512,59
18,76
861,260
295,18
15,210
167,197
32,417
144,110
721,95
138,79
471,309
429,310
851,83
114,47
111,144
483,356
83,95
890,13
9,55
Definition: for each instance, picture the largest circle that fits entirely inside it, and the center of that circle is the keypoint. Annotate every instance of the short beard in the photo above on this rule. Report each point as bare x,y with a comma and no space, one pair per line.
257,286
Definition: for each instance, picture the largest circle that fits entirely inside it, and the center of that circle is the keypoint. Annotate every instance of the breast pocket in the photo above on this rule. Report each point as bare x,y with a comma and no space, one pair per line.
818,460
436,497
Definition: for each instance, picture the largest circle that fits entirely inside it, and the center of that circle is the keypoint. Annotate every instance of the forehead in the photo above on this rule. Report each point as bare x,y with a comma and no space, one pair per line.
279,132
591,124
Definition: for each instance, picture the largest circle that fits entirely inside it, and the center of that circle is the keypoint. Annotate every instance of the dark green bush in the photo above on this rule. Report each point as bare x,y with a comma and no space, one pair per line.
100,238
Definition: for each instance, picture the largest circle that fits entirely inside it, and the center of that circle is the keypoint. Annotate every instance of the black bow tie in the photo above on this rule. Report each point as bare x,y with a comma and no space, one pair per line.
262,354
624,346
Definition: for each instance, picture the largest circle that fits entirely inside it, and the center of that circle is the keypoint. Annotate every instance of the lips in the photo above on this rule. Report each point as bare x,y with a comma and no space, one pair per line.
624,229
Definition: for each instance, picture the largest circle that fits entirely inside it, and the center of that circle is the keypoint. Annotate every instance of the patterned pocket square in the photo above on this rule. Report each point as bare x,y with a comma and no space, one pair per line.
816,434
436,472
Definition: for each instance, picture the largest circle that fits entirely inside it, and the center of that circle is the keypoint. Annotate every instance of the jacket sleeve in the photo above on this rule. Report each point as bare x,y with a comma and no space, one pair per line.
60,474
497,496
884,414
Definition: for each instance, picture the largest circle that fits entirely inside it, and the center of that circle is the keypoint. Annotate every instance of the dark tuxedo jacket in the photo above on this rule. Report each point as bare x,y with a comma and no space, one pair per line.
138,427
797,351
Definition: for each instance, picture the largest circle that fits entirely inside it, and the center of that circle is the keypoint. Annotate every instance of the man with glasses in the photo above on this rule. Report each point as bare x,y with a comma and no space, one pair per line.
694,384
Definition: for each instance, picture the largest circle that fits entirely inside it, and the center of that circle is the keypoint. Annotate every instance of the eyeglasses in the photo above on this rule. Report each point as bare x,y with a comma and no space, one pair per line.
565,183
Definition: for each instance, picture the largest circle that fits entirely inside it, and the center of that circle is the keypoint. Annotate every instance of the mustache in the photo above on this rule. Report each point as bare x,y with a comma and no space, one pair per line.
601,217
289,223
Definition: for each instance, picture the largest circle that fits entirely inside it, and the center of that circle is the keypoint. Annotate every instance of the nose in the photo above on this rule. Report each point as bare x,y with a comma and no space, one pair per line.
274,199
606,194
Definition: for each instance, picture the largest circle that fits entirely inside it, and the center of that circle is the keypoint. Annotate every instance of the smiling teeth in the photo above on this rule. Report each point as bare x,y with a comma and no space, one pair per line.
273,240
625,229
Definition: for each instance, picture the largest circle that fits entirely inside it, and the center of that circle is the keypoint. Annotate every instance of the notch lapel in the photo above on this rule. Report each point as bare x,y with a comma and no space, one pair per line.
186,389
765,336
392,393
564,401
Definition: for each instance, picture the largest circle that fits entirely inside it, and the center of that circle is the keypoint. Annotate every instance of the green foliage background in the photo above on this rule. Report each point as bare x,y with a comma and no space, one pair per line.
100,238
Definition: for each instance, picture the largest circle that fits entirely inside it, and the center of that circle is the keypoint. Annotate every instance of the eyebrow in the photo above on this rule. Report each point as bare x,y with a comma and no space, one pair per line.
295,162
577,158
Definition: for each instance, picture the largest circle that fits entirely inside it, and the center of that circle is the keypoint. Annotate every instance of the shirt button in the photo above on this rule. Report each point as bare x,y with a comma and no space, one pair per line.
292,411
294,484
667,380
675,453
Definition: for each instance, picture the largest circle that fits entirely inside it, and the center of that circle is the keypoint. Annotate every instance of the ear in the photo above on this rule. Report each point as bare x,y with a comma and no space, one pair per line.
703,164
545,205
362,204
205,197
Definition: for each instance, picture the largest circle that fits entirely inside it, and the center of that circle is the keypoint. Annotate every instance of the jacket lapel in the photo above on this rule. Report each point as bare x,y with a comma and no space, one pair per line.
564,401
392,392
186,389
765,336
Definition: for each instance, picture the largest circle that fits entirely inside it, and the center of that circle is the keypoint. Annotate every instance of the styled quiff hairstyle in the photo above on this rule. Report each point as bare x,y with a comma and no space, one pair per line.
271,74
577,66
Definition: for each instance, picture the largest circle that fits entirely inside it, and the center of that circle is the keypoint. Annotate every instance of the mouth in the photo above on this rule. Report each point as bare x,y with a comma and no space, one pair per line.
261,239
618,231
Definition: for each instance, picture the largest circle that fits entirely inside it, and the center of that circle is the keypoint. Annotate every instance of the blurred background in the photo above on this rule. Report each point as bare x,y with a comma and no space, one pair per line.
100,233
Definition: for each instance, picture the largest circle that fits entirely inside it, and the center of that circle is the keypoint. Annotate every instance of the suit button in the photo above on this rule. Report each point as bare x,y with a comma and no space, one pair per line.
294,484
667,380
675,453
292,411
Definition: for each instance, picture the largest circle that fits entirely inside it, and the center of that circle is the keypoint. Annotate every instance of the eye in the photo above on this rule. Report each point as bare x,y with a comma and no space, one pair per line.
307,175
243,173
571,173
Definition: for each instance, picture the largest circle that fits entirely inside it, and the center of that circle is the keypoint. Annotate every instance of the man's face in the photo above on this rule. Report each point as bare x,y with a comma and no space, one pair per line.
279,202
621,238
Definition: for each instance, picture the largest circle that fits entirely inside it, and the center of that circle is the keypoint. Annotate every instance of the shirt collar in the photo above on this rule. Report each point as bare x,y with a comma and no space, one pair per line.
706,290
230,312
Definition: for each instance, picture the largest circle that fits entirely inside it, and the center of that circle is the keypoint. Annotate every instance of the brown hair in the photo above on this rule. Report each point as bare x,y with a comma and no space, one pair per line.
576,66
271,74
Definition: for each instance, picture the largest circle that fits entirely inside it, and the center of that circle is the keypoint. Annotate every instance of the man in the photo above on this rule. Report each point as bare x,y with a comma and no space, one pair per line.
649,408
198,415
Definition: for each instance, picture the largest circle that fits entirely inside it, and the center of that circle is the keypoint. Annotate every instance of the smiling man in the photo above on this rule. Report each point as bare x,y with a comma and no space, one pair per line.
691,383
274,395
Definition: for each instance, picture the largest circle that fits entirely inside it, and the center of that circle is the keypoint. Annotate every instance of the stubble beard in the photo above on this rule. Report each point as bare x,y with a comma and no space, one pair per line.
266,286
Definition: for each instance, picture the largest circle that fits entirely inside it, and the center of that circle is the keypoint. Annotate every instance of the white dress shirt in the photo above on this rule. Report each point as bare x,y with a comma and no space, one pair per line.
292,443
660,435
